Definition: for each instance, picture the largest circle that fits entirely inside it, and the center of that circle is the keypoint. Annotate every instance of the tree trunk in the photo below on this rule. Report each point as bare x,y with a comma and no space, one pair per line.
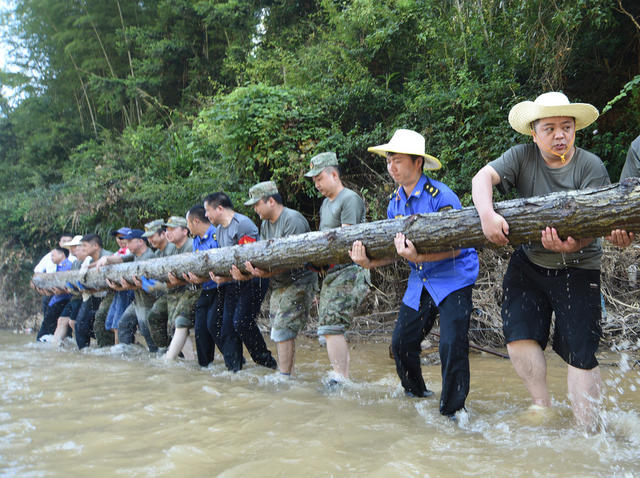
580,214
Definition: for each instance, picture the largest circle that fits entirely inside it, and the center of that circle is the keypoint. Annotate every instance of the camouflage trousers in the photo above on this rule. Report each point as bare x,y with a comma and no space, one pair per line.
289,308
342,293
104,337
173,309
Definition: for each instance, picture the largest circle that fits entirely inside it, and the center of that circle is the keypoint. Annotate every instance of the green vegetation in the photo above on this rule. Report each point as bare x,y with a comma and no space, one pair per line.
130,111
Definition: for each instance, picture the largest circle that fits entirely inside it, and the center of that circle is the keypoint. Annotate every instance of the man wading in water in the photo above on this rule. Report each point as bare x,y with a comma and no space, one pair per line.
344,286
438,283
553,275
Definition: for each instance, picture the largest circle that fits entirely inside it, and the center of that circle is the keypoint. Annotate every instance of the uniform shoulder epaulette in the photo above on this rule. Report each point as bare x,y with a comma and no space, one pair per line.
394,193
434,191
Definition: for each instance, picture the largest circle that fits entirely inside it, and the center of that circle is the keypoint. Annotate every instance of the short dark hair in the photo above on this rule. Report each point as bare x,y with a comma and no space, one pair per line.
414,158
63,250
277,197
65,234
198,212
94,238
219,199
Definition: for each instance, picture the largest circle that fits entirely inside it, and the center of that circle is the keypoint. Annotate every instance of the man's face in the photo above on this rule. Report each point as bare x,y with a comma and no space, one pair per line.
325,182
264,209
157,239
89,247
214,214
555,134
403,169
176,234
135,245
121,242
64,239
80,252
57,257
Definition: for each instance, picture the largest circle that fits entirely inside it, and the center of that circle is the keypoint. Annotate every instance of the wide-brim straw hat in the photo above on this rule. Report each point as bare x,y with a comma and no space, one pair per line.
406,141
548,105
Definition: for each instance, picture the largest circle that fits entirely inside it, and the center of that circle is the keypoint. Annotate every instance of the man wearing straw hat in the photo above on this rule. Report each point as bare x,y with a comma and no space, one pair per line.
439,282
560,275
292,291
344,286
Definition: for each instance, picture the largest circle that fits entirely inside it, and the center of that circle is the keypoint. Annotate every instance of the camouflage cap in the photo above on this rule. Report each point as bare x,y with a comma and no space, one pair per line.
152,227
176,221
321,161
260,190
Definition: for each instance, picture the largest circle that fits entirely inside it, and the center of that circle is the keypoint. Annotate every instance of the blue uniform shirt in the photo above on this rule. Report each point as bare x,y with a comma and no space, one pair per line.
63,266
440,278
206,242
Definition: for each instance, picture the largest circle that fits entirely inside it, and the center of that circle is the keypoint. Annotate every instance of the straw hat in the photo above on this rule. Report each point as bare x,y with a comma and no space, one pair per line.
406,141
73,242
547,105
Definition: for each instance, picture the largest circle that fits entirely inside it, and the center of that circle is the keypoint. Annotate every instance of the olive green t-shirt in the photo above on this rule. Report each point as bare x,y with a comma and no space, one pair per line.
289,223
523,168
346,208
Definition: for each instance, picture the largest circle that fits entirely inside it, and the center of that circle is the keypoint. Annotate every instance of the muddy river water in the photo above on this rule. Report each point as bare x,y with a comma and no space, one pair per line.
121,412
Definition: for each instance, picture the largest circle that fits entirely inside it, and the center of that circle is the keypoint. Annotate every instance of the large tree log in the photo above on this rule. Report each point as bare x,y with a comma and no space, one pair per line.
586,213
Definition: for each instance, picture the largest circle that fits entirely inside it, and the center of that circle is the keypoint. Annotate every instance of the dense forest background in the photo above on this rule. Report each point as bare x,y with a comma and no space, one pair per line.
124,111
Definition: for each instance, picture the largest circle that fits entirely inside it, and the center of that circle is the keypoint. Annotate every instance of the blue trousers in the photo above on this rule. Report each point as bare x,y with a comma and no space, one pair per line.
207,311
240,306
411,329
84,321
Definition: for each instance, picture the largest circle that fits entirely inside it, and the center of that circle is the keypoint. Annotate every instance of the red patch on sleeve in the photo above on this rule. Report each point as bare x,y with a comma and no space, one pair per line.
246,240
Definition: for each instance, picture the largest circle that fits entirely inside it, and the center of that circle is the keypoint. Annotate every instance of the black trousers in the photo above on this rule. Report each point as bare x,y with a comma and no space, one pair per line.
237,325
208,308
411,329
50,320
84,321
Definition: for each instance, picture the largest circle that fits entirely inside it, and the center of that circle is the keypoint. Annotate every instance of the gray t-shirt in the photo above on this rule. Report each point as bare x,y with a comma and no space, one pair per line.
289,223
523,168
186,247
346,208
240,230
631,167
169,250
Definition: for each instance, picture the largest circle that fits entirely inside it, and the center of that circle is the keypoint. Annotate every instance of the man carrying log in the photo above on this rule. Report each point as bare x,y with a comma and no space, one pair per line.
439,282
135,315
292,291
180,300
208,307
91,300
67,319
57,302
240,300
344,286
560,275
154,232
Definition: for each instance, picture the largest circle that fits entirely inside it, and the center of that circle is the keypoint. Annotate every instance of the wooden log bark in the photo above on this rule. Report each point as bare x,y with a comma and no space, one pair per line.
585,213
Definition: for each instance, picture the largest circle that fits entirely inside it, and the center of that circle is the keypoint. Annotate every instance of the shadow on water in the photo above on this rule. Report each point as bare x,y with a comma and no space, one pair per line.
121,411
